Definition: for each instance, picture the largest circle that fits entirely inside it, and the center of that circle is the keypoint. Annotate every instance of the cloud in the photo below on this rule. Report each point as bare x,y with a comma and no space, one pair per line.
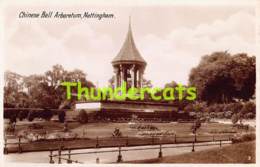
174,55
35,47
31,49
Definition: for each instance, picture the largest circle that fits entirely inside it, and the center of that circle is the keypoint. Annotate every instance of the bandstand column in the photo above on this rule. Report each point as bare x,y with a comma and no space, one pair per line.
121,76
135,78
132,76
141,78
116,77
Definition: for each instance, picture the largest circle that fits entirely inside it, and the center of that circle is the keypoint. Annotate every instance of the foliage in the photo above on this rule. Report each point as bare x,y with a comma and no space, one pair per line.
242,110
35,126
235,118
31,116
12,88
228,114
83,117
46,114
13,119
42,91
147,83
10,128
248,107
249,116
221,77
22,114
244,137
62,116
197,107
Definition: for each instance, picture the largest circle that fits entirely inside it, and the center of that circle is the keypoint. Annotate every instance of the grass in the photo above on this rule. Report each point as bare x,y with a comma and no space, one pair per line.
236,153
178,128
104,132
93,130
106,129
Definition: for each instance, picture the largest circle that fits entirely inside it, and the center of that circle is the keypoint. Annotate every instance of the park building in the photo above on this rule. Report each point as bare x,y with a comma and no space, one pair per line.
129,67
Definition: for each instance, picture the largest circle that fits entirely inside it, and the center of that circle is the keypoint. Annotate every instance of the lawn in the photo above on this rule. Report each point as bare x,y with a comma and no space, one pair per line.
235,153
180,129
103,131
93,130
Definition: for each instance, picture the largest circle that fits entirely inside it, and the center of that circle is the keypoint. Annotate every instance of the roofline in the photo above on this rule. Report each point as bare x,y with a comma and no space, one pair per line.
128,62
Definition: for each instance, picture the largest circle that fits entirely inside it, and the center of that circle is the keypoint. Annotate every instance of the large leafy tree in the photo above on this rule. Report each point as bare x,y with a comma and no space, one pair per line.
221,77
35,87
13,89
42,91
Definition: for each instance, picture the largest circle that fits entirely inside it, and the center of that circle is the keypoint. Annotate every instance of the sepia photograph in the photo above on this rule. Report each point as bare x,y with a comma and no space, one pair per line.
129,82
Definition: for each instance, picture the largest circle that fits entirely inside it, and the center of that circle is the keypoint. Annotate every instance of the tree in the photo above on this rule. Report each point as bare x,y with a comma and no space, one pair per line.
41,91
56,92
111,82
38,96
147,83
221,77
13,89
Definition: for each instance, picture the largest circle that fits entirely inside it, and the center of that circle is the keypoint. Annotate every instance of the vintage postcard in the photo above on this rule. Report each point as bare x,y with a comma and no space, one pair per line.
129,82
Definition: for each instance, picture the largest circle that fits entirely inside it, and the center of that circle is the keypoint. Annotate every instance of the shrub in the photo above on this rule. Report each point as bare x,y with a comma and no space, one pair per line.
10,128
249,116
83,117
46,114
244,137
234,118
35,126
212,115
12,119
31,116
8,114
22,114
248,137
62,116
228,114
220,115
248,107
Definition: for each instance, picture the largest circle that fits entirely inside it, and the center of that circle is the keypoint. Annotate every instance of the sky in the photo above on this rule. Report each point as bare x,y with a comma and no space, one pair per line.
171,37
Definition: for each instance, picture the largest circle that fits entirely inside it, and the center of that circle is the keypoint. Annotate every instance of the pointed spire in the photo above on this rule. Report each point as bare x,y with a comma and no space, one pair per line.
129,34
129,52
129,28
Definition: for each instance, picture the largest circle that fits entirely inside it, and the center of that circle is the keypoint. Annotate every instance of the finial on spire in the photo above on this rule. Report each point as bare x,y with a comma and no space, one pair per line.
129,22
